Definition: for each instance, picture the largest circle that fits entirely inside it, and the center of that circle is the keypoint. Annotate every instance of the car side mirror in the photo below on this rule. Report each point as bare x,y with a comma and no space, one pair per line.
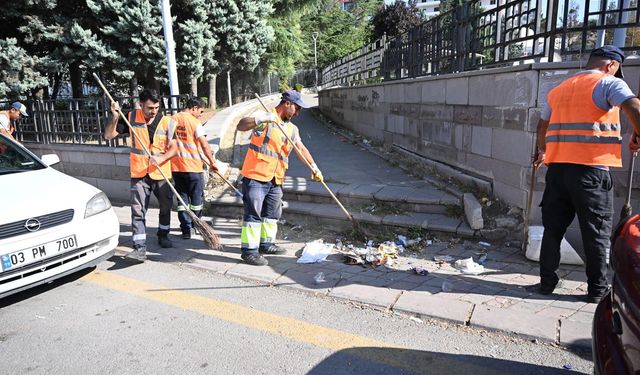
50,159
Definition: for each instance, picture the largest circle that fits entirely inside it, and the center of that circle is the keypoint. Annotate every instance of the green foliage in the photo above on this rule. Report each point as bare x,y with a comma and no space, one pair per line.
18,70
298,87
395,19
339,32
284,86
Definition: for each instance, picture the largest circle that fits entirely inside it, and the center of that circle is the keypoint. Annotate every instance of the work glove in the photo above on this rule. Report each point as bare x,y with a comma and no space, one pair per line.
316,175
262,119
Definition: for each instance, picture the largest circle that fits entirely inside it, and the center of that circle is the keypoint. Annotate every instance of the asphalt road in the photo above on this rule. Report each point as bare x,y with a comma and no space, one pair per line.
158,318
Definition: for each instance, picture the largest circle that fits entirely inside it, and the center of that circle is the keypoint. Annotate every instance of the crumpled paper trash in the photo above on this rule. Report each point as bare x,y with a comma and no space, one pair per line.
468,266
314,252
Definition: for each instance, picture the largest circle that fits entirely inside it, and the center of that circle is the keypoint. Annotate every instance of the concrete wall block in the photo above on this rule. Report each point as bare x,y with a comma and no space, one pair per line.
548,80
443,133
116,190
532,119
120,173
515,118
395,108
387,137
512,146
122,160
458,137
411,110
481,140
436,111
492,117
413,93
467,114
99,158
413,128
337,103
506,89
434,91
394,93
457,91
511,195
379,121
364,118
395,124
498,170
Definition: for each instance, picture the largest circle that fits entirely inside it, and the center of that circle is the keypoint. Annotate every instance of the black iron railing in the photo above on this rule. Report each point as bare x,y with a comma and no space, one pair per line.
77,121
470,38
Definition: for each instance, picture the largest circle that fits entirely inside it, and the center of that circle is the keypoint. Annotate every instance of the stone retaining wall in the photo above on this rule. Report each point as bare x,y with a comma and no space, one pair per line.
480,122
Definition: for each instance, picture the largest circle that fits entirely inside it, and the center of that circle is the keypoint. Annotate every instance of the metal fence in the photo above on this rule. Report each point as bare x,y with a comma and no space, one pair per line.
514,32
77,121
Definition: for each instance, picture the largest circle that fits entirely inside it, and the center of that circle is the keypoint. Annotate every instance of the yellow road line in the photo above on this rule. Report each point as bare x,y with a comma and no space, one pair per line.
278,325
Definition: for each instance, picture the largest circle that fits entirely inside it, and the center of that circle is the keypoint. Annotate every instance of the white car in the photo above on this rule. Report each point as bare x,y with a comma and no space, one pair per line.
51,224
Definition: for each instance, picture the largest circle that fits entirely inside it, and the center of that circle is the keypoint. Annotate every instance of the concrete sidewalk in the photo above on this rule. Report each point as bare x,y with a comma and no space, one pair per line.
500,299
497,299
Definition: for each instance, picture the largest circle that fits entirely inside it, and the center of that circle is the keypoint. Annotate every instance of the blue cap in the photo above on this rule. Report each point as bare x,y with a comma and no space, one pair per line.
613,53
294,97
20,107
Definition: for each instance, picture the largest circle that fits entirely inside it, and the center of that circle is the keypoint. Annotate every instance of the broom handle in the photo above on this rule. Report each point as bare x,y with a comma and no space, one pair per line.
307,162
144,147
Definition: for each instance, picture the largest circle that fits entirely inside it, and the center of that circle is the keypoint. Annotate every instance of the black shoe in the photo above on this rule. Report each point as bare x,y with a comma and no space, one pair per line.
186,235
595,297
164,242
546,289
138,254
254,259
272,250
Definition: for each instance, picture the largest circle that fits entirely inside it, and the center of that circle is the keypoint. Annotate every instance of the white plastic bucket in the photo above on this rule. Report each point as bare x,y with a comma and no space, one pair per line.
568,254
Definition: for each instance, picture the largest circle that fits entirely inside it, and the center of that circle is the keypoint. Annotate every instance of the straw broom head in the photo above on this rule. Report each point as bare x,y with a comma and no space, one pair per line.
206,231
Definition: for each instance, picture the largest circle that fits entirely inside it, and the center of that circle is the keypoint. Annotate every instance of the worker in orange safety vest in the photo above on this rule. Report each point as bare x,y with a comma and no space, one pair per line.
579,139
155,132
191,139
263,172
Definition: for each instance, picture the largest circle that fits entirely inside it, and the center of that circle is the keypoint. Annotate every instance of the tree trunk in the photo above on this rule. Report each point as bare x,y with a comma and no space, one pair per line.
76,79
133,86
57,78
212,91
194,87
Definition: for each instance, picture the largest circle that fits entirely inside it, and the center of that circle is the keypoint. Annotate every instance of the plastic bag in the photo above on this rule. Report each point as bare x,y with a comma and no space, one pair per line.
315,252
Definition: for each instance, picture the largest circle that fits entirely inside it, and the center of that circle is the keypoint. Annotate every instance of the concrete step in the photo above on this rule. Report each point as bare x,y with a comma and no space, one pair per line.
423,198
330,215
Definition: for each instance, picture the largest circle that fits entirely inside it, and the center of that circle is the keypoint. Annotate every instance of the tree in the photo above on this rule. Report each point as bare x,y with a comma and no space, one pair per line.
194,40
18,72
243,34
132,30
395,19
339,31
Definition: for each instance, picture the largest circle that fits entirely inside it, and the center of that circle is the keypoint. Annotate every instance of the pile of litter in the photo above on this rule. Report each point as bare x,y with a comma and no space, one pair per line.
385,253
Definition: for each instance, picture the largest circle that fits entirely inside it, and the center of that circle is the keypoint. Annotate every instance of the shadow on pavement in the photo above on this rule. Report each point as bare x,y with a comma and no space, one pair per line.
35,291
371,360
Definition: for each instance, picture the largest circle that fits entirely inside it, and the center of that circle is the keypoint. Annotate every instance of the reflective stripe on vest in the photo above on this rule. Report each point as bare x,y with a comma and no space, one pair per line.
268,154
188,157
579,131
138,158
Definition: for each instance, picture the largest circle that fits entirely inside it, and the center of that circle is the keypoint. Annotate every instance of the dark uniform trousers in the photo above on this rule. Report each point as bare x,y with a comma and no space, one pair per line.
586,191
141,189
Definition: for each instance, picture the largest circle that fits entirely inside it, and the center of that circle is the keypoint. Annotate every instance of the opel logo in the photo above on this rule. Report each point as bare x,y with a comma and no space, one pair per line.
32,225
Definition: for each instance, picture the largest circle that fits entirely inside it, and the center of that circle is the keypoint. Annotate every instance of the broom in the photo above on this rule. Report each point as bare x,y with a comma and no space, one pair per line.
206,231
355,224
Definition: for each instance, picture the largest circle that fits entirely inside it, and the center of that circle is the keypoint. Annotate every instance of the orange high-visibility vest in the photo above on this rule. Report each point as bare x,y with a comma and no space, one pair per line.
579,131
12,127
188,158
268,153
138,158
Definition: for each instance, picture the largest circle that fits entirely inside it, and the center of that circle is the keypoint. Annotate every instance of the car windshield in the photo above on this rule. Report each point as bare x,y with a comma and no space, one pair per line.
14,159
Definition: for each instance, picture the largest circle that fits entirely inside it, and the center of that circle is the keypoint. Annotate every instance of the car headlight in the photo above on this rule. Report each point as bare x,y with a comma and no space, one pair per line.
99,203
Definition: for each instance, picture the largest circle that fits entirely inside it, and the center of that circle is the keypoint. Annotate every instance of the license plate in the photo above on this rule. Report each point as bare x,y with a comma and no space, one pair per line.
30,255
